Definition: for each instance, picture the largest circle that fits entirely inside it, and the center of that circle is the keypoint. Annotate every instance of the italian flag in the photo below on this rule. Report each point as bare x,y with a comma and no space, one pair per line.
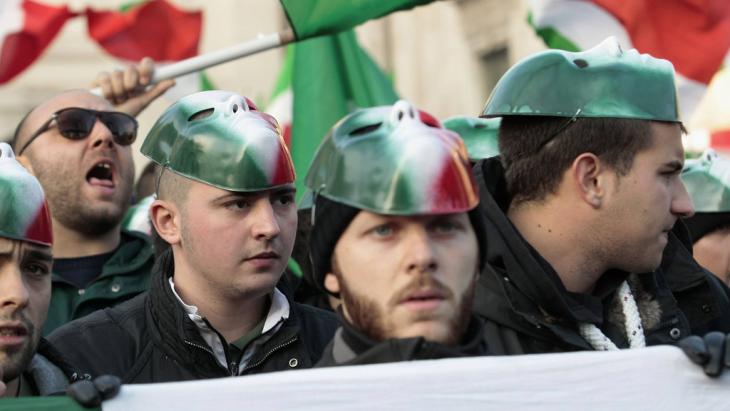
152,28
26,29
322,80
693,35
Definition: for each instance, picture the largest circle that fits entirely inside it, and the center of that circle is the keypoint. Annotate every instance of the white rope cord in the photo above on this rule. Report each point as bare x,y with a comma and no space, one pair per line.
632,323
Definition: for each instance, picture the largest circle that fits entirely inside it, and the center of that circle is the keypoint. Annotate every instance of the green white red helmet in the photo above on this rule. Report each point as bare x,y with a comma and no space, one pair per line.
394,160
480,135
605,81
23,209
220,138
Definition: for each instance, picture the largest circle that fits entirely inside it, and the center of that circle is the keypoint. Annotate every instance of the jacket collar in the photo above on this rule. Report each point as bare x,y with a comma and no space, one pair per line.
277,314
524,267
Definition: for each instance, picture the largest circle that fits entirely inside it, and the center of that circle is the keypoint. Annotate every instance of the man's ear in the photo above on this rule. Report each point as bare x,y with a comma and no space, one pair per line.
590,178
332,283
166,218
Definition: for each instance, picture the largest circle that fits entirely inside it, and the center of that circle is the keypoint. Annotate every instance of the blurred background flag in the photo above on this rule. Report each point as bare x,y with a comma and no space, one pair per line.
322,80
26,28
693,34
156,29
311,18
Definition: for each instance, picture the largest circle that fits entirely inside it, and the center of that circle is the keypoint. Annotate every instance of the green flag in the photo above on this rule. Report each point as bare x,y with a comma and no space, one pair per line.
330,76
310,18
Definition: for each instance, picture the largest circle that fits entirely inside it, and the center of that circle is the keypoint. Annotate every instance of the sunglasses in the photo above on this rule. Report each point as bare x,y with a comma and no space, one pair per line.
76,124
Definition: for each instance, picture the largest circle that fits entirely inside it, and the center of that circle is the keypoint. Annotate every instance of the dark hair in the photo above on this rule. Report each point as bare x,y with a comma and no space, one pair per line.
536,151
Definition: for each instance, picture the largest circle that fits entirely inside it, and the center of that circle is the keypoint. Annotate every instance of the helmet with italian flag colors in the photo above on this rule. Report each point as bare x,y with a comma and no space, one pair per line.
394,160
23,209
481,135
219,138
603,82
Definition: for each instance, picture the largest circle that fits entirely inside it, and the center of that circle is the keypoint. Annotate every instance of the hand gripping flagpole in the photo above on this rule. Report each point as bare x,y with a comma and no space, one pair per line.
261,43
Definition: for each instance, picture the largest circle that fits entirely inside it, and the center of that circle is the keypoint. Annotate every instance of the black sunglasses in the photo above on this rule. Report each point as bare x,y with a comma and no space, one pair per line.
76,123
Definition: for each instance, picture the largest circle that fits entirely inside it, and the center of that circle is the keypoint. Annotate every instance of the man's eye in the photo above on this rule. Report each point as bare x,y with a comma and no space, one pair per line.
238,204
383,230
285,199
37,269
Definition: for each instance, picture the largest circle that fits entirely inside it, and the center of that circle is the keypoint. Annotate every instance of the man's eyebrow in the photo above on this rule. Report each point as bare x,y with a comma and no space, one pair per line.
39,255
284,190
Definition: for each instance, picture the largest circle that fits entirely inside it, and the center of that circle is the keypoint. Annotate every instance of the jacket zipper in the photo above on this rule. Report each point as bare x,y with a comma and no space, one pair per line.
200,346
260,361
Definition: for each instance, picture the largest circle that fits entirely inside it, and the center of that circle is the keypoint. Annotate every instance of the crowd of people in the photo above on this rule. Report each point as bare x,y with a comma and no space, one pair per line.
560,220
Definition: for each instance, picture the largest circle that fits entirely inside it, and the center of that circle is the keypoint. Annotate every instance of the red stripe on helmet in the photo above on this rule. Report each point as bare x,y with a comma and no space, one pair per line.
40,230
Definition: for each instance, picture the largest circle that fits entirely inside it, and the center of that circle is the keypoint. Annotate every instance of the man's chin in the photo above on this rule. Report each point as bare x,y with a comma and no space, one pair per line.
436,330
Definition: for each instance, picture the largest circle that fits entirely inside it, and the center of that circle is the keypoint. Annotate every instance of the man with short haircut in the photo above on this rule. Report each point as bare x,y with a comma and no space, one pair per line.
582,209
226,208
29,366
79,147
398,242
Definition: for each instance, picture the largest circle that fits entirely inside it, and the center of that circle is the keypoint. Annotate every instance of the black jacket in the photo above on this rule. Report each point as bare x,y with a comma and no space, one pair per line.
528,310
351,347
151,339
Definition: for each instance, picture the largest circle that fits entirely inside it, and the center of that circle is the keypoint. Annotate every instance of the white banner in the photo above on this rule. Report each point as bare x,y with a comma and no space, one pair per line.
658,378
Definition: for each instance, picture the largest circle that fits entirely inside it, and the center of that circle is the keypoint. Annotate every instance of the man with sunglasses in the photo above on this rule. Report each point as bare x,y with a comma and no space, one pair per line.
78,146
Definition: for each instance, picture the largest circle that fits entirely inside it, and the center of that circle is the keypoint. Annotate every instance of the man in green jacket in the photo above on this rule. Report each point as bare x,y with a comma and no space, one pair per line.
78,147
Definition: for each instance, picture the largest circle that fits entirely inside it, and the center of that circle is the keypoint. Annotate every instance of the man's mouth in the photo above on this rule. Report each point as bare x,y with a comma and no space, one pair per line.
101,174
12,335
423,299
267,255
264,260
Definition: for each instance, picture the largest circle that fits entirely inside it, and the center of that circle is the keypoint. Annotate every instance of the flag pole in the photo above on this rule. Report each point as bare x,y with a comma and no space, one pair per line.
261,43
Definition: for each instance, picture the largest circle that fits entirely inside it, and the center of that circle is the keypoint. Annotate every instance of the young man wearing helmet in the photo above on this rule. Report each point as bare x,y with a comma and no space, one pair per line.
399,243
226,208
583,209
28,364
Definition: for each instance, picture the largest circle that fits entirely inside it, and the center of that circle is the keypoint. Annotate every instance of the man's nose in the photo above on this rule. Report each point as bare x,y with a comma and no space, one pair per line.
100,136
682,203
420,254
265,226
13,290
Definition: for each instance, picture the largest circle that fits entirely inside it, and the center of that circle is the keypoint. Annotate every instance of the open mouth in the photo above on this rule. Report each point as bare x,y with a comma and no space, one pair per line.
101,174
11,336
12,332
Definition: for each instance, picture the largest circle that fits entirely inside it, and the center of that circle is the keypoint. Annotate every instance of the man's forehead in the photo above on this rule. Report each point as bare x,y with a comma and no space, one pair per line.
71,98
220,192
7,245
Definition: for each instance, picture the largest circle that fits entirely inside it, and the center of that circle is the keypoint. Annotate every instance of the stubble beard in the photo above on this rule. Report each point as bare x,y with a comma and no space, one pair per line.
369,319
70,209
15,363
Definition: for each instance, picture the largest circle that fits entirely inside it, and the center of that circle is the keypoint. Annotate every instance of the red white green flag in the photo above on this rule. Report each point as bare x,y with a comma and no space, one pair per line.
693,34
26,29
156,29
